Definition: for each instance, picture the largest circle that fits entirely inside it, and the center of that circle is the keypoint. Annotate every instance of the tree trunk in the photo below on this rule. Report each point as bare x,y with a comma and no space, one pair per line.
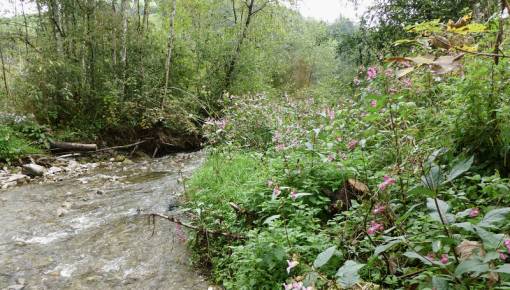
54,10
114,35
170,48
145,20
4,74
123,50
233,62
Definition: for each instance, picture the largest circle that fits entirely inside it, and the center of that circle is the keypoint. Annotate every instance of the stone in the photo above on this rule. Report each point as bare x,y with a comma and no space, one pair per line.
61,212
33,170
18,178
54,170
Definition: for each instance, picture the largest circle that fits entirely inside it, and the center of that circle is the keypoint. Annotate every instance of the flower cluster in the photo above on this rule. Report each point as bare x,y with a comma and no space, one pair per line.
443,260
371,73
378,209
352,144
296,286
387,182
474,212
374,228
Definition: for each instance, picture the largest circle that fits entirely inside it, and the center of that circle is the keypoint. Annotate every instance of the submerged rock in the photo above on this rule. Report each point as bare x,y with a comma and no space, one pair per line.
33,170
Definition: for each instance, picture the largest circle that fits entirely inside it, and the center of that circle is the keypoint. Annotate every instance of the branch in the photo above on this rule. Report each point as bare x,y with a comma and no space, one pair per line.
482,53
197,229
260,8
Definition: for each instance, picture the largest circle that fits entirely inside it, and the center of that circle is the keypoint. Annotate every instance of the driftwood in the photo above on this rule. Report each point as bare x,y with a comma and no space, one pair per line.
153,216
66,146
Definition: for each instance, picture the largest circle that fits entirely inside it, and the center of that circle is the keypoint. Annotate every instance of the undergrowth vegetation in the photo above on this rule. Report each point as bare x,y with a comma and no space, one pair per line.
400,182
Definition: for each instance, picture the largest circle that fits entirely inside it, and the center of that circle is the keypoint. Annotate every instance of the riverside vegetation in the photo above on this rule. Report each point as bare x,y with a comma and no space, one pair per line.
369,155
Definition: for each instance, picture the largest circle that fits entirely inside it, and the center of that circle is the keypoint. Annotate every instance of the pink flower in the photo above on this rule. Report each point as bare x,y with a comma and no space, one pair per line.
276,192
378,209
503,256
392,90
407,82
331,157
371,73
293,195
387,182
388,72
507,245
356,81
280,147
373,103
474,212
291,264
374,228
444,259
431,256
352,144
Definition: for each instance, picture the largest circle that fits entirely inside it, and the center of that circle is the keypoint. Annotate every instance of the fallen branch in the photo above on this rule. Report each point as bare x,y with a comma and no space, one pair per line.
197,229
72,146
123,146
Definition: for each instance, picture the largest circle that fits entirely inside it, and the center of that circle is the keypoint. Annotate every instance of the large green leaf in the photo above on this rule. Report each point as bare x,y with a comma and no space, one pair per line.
473,265
347,275
495,216
414,255
386,246
324,257
443,209
505,268
440,283
433,178
490,240
459,168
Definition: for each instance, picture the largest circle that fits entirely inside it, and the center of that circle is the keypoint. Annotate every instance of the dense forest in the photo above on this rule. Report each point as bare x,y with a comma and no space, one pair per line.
370,154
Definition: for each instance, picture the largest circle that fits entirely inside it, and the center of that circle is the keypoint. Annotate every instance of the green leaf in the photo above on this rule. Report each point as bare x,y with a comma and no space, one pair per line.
443,207
436,246
494,216
433,178
465,226
324,257
505,268
310,279
347,275
474,265
490,240
440,283
414,255
408,213
271,219
420,190
459,168
384,247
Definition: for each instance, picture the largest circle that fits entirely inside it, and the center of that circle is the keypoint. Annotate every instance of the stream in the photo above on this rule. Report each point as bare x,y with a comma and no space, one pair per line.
90,232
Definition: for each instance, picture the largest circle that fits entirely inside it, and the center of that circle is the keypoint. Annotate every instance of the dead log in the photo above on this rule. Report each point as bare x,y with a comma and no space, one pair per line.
67,146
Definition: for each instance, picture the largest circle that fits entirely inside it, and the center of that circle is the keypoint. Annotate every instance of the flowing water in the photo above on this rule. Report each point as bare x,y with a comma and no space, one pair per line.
91,233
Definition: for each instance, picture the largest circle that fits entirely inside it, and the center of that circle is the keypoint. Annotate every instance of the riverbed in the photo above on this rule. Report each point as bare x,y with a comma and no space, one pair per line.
91,231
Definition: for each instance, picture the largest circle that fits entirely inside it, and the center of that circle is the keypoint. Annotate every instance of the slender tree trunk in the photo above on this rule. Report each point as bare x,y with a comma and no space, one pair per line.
4,74
54,10
114,35
233,62
171,33
145,20
25,24
123,51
